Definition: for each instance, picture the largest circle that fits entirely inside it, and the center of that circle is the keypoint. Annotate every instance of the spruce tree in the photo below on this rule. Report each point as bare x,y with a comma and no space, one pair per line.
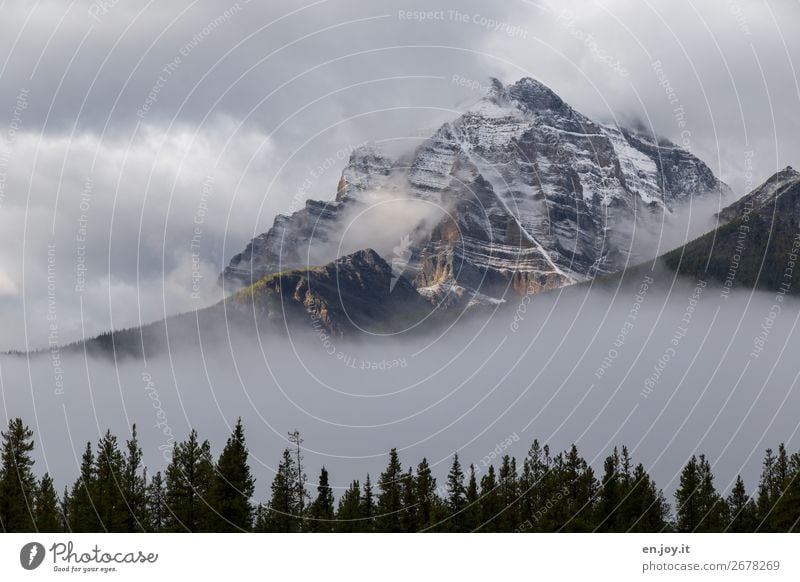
611,496
157,508
786,516
409,517
536,488
456,496
390,499
509,517
743,518
284,507
490,502
82,515
232,486
368,506
687,507
134,487
188,479
349,513
107,494
645,508
769,488
715,509
322,508
425,495
472,511
17,482
577,479
47,508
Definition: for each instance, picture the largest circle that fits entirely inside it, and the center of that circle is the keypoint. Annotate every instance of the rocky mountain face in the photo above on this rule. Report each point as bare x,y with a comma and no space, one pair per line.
532,196
354,293
756,245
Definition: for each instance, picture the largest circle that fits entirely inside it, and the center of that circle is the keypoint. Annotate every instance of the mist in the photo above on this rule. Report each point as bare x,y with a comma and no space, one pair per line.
664,366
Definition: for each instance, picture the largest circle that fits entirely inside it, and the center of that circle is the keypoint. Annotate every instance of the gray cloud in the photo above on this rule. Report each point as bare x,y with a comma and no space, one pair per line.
273,90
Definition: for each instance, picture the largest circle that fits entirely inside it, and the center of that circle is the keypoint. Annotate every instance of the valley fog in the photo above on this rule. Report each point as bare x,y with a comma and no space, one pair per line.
668,368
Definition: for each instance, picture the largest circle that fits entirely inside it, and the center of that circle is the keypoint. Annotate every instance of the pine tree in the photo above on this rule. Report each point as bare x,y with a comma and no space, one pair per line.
743,518
698,505
47,509
577,478
368,506
425,495
157,503
134,487
715,509
786,516
536,487
409,516
687,506
768,491
349,515
232,486
390,499
284,507
508,520
456,496
322,508
611,495
188,479
471,499
490,502
645,508
17,482
107,493
82,515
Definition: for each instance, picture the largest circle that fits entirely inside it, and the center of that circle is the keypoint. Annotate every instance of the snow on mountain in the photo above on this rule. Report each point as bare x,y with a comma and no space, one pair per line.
533,196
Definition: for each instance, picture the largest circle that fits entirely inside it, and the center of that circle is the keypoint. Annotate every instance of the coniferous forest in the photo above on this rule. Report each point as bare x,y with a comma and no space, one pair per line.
544,492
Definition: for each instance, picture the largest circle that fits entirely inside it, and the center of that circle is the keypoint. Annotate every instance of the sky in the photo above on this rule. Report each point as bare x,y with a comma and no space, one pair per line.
144,145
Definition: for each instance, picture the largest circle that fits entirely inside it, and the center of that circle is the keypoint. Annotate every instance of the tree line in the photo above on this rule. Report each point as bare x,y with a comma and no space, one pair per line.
545,492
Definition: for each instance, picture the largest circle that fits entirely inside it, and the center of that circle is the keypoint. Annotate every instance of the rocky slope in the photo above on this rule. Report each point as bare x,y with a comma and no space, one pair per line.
534,195
757,244
353,293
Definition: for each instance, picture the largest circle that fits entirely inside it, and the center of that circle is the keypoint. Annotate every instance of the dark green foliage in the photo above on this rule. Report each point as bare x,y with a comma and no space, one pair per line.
157,503
133,482
456,496
284,506
349,515
47,508
548,494
698,505
389,507
368,506
17,482
322,508
426,498
189,475
742,509
232,487
82,515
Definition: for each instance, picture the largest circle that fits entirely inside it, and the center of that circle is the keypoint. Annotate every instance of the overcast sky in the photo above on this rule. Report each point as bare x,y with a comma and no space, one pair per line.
127,131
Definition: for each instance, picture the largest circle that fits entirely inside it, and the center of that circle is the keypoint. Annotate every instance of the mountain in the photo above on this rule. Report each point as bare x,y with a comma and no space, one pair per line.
532,195
757,243
355,292
354,296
